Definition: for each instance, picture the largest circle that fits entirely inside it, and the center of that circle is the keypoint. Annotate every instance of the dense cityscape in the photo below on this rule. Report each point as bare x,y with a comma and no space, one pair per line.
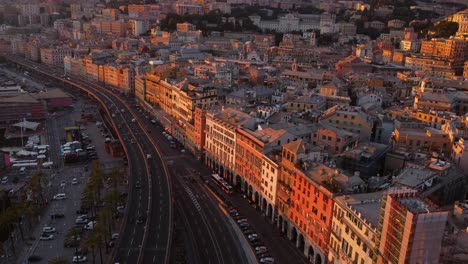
234,131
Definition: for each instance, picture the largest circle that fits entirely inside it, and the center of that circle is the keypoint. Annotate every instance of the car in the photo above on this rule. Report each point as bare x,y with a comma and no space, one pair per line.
267,260
247,231
260,250
114,236
60,196
63,184
46,237
242,220
79,259
133,120
141,220
48,229
264,255
90,225
81,221
57,215
82,211
110,244
132,141
153,121
34,258
246,227
244,224
74,181
137,184
148,156
233,212
4,180
253,235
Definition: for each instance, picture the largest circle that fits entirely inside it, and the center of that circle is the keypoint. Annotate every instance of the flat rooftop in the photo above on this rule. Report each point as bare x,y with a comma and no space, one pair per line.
367,204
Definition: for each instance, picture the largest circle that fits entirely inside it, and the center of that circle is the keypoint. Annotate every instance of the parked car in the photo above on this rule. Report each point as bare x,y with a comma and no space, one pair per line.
46,237
82,211
57,215
267,260
81,220
90,225
79,259
141,220
74,181
48,229
60,196
242,220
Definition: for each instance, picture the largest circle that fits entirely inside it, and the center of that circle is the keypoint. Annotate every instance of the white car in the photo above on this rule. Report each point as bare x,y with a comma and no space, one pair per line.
81,220
148,156
133,120
48,229
90,225
267,260
60,196
74,181
46,237
79,259
63,184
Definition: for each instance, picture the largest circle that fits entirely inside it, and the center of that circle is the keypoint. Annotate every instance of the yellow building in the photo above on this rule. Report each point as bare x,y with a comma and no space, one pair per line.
354,229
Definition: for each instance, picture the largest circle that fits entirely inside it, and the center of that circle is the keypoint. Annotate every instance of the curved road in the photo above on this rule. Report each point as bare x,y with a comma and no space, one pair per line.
211,236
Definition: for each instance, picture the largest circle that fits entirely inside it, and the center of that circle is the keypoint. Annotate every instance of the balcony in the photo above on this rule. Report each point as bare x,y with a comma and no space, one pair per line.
283,192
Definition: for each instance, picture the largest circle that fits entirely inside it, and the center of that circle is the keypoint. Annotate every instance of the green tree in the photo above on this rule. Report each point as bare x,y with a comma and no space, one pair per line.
445,29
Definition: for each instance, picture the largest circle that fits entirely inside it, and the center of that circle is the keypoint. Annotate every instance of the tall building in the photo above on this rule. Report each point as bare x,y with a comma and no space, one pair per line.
354,228
410,229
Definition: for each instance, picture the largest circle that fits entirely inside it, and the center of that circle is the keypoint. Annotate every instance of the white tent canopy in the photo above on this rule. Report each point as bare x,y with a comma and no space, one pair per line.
27,125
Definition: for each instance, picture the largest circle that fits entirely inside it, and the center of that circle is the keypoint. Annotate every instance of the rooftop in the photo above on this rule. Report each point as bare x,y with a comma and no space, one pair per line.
366,204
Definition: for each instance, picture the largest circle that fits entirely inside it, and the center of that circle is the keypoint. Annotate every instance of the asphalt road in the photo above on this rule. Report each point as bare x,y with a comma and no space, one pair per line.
132,245
213,236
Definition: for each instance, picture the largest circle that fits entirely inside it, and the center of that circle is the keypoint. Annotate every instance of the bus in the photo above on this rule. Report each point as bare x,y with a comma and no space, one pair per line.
218,180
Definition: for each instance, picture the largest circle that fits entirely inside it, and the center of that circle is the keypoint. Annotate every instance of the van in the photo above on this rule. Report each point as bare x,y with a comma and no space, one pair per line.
60,196
22,170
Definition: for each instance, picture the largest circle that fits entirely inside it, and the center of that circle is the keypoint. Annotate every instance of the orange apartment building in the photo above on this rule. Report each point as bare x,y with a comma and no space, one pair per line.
422,139
305,205
251,146
199,124
333,140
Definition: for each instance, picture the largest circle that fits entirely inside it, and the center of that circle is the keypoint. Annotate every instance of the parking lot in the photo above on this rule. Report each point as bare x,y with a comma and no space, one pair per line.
70,180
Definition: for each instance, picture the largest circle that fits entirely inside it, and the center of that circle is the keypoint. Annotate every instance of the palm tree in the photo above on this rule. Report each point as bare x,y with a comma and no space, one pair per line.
91,242
59,260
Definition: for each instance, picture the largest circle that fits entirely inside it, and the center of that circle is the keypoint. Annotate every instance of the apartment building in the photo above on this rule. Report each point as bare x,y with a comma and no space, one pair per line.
421,139
452,48
354,229
305,192
221,139
251,148
445,100
187,7
120,76
332,139
53,56
349,118
410,229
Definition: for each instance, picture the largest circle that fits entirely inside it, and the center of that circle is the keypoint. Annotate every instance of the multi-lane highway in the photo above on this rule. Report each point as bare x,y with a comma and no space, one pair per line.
144,215
210,235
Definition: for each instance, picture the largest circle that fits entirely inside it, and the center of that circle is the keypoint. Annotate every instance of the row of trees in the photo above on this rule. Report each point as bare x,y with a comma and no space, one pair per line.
103,208
24,212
